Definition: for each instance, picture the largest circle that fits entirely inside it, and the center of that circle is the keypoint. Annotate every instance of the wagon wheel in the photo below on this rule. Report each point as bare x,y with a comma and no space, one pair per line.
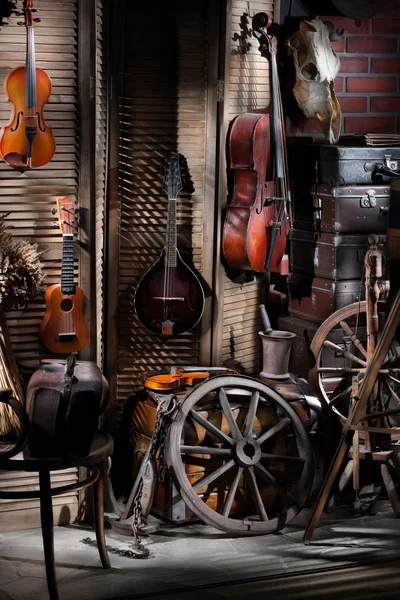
240,455
334,382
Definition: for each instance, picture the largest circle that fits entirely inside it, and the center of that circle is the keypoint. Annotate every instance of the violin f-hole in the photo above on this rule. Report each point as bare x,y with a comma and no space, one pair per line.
18,121
42,129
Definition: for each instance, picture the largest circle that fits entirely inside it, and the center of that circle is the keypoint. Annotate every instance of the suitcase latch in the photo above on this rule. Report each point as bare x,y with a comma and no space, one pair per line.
393,165
369,200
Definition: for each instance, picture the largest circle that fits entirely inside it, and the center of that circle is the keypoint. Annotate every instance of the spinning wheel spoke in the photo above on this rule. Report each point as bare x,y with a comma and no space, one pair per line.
340,396
226,408
278,458
231,494
392,393
266,475
213,476
210,427
206,450
251,478
251,415
274,430
348,331
344,353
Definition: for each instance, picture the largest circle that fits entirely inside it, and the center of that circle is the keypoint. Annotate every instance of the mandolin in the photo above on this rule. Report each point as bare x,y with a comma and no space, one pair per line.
27,141
64,329
169,298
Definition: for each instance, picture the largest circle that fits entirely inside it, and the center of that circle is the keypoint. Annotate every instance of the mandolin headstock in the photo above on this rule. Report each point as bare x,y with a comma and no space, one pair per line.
173,182
67,212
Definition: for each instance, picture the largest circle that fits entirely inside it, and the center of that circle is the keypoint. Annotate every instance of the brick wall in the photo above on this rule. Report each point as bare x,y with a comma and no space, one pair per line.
368,85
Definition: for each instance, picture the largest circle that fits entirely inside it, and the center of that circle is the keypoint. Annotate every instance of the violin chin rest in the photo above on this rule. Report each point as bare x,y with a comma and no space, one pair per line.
17,161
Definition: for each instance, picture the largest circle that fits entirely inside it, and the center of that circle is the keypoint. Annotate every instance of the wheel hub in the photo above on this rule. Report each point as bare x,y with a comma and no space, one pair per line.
246,452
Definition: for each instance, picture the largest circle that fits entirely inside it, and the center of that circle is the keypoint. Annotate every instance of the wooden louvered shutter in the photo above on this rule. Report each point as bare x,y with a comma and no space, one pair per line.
30,196
162,108
247,87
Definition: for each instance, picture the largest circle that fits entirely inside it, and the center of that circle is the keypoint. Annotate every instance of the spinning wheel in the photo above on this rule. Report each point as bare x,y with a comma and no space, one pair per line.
347,328
256,459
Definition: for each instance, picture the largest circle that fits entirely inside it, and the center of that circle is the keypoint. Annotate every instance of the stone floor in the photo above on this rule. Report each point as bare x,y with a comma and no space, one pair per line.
188,557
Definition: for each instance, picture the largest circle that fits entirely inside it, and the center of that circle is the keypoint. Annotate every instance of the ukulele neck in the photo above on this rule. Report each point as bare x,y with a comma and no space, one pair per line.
170,246
67,267
30,77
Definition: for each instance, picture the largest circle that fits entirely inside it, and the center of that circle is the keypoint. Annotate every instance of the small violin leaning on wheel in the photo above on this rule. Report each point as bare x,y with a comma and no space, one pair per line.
64,329
169,298
27,141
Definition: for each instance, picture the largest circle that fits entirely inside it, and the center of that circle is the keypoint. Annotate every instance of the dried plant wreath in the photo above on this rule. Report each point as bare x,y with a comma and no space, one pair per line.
21,281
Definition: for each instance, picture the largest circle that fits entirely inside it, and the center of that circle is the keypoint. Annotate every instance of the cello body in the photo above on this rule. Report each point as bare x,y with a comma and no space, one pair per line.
13,137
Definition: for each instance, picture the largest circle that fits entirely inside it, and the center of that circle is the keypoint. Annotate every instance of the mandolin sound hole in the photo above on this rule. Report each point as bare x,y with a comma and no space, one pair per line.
66,305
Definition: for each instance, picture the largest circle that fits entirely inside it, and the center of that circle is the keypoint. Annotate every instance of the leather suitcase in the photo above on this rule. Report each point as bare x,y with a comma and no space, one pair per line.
329,255
316,299
348,209
341,165
301,357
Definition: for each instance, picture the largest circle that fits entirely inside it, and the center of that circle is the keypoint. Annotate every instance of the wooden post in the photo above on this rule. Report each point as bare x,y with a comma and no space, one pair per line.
87,167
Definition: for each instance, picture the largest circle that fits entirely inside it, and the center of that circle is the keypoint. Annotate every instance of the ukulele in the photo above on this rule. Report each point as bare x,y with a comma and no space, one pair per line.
64,329
169,298
27,141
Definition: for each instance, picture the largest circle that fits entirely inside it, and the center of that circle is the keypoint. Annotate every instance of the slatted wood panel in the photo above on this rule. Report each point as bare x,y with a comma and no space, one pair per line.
30,196
101,167
163,106
248,90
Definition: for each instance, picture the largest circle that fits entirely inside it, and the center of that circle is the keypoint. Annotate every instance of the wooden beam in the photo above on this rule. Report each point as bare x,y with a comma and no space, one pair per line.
113,213
87,167
210,215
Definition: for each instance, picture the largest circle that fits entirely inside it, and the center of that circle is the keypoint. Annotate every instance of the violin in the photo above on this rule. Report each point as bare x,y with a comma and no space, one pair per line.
180,377
258,217
63,329
26,142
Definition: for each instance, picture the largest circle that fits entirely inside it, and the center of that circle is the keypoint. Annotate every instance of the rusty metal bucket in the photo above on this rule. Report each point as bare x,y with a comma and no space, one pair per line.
276,353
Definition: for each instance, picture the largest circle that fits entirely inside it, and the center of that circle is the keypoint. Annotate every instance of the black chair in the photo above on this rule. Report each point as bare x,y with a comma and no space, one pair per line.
18,458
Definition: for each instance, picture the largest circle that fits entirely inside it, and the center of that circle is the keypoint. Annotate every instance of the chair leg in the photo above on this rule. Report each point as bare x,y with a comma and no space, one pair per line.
46,517
98,514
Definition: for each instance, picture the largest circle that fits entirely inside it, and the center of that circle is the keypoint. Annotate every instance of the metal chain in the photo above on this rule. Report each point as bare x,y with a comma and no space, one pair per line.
119,551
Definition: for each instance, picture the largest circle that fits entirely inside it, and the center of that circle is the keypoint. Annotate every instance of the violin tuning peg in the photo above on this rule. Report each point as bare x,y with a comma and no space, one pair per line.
20,23
55,224
34,10
76,211
53,211
37,20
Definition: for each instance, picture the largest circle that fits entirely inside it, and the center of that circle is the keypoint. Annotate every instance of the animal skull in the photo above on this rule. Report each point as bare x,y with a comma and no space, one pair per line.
316,67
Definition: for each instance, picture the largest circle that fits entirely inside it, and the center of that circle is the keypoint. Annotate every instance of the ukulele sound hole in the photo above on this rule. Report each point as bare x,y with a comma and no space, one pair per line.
66,305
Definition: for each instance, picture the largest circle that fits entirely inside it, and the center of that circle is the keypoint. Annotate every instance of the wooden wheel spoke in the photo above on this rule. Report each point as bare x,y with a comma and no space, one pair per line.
332,370
348,331
392,393
226,409
344,353
274,430
231,494
210,427
206,450
279,458
251,415
213,476
251,478
266,475
340,396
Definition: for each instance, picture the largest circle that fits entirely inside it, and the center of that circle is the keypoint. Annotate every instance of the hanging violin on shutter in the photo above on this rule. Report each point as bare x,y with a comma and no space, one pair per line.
258,218
27,141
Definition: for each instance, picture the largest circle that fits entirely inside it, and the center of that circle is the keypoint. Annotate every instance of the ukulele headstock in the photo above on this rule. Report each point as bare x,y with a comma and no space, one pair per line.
172,182
27,12
67,216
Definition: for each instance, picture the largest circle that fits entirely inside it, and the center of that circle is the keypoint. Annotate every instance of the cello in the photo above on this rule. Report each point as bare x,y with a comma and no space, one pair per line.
27,141
258,217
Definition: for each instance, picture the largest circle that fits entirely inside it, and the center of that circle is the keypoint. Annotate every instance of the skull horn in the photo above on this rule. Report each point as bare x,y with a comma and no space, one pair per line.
334,36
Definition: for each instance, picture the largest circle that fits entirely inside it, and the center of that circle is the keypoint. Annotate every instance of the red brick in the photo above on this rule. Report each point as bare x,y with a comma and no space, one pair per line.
369,124
385,25
372,45
356,104
339,86
386,105
371,84
392,9
352,64
339,45
385,65
348,24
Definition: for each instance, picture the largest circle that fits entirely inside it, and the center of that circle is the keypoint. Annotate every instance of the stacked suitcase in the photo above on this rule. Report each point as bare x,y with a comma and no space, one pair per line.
340,197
